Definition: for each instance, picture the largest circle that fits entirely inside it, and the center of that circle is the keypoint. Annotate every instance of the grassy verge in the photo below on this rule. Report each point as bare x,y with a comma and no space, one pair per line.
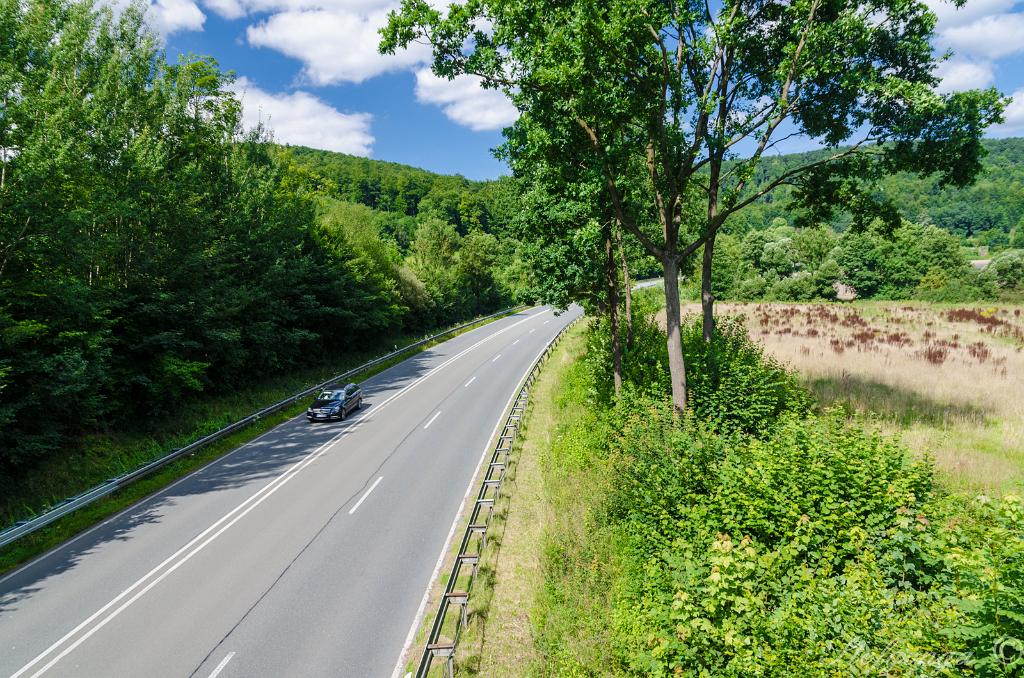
108,455
541,606
499,639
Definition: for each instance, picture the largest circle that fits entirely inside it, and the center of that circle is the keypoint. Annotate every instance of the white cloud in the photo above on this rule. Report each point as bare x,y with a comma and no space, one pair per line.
302,119
169,16
991,37
361,7
465,102
336,41
1013,122
229,9
950,15
959,74
166,16
334,45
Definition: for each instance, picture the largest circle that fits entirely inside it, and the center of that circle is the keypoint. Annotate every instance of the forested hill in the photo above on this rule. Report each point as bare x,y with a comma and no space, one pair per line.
985,213
405,194
382,185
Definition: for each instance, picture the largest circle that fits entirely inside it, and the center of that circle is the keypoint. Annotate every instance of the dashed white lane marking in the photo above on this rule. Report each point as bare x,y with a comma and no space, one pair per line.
365,495
471,380
223,663
546,322
532,331
496,358
515,342
432,419
418,619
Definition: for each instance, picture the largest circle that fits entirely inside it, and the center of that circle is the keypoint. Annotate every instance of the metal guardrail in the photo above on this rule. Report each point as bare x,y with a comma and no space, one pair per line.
25,527
437,646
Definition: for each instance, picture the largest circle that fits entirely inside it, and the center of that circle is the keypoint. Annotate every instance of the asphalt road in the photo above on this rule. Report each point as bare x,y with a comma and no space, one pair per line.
649,283
303,553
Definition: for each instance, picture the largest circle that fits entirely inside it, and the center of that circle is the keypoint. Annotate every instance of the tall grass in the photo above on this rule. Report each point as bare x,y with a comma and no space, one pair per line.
948,380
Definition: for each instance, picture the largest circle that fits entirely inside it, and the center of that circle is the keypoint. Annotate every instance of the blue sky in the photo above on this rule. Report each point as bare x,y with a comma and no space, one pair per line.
310,68
389,108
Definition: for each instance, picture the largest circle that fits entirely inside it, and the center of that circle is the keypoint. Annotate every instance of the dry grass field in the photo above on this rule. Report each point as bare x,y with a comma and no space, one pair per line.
949,380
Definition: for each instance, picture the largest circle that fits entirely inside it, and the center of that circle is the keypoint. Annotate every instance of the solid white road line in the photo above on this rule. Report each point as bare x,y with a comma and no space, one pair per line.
418,619
432,419
255,499
365,495
254,441
313,457
471,380
223,663
496,358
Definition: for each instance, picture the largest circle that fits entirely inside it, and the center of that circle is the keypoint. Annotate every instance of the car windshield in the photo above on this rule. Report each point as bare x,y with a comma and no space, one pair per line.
331,395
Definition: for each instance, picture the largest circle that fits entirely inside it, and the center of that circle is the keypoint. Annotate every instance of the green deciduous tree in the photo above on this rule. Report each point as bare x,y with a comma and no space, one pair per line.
680,88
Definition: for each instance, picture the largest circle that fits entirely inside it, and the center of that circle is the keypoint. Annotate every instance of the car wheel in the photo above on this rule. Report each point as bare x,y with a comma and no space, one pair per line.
359,403
341,414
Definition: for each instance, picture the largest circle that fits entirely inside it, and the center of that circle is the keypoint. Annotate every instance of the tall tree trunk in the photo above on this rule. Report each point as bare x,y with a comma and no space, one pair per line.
627,286
707,298
612,278
676,363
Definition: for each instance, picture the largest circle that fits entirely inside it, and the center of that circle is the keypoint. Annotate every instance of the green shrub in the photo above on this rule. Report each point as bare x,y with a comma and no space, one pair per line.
644,363
747,552
939,286
986,558
732,383
1008,270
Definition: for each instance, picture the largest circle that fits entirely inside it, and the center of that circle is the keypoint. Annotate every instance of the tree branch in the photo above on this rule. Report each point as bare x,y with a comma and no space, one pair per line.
616,197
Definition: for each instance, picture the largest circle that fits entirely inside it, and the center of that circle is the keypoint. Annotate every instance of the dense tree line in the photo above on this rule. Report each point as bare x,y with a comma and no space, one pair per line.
150,249
783,263
988,212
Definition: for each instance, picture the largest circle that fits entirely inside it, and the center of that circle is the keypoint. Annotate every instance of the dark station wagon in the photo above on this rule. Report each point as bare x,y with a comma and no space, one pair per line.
335,403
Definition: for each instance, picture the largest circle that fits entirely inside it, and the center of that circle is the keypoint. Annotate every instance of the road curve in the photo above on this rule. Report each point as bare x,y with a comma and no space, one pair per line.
305,552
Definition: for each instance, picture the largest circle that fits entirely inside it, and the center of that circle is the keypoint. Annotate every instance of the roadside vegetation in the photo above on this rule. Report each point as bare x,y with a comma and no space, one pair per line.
764,534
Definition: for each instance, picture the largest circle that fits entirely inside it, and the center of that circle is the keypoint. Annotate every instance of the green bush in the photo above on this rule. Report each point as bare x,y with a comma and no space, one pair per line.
938,286
732,383
746,552
1008,269
986,560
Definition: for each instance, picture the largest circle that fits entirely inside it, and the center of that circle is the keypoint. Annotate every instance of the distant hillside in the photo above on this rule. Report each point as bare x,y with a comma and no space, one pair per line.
405,191
986,212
